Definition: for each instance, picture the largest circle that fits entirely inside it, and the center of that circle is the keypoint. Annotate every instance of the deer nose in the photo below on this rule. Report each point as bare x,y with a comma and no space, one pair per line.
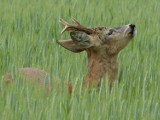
132,26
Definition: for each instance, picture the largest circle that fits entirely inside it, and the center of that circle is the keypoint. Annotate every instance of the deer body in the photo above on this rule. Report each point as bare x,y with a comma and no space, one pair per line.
38,76
102,45
33,74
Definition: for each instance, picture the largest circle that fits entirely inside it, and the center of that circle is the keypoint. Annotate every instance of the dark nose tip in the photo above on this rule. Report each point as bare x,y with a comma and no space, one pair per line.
132,26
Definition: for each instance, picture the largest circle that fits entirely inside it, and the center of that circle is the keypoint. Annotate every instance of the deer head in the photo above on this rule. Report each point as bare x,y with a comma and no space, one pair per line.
102,45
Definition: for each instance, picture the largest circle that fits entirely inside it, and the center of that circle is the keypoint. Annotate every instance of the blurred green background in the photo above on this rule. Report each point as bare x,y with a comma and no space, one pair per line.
28,33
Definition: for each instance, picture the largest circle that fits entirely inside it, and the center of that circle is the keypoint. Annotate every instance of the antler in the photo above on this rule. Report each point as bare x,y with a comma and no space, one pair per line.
78,27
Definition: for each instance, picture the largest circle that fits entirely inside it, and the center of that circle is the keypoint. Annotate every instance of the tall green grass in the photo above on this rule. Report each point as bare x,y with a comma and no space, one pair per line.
28,33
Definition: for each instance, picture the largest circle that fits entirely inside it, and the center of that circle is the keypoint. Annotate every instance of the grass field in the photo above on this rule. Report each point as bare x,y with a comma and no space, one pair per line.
28,33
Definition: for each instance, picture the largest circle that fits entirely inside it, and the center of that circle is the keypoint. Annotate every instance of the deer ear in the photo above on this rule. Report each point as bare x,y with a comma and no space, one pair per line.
70,45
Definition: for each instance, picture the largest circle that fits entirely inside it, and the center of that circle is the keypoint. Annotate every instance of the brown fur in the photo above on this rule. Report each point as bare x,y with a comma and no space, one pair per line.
102,61
98,66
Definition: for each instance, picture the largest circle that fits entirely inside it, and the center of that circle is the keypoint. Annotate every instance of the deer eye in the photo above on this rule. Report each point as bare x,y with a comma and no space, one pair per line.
110,32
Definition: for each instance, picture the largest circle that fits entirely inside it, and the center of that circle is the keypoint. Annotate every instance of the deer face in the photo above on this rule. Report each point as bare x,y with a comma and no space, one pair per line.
116,35
110,40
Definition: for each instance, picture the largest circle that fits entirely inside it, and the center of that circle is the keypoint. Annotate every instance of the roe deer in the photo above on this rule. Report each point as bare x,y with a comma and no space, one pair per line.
102,45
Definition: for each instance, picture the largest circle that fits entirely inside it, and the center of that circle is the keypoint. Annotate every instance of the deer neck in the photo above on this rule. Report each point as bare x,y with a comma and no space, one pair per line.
99,66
